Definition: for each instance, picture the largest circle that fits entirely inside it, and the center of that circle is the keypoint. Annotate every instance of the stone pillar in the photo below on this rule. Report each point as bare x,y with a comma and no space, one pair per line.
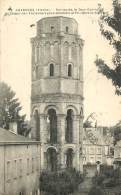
61,137
76,126
33,124
77,159
42,138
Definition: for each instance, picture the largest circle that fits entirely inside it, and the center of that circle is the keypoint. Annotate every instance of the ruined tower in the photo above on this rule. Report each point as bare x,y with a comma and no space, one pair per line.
57,92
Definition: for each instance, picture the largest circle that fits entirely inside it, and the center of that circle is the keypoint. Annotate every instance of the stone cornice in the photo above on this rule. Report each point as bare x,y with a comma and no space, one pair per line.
57,98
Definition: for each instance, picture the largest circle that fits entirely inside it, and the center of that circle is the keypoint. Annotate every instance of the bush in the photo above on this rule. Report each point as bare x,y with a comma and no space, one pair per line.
96,191
62,182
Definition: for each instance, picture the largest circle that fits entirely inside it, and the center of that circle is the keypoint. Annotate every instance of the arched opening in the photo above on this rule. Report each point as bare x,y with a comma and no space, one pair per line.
69,70
66,52
52,120
37,124
52,28
37,72
74,52
81,112
51,159
69,158
67,29
51,70
69,126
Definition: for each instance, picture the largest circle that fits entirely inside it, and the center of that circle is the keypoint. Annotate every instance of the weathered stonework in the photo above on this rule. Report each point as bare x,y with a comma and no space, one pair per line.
57,91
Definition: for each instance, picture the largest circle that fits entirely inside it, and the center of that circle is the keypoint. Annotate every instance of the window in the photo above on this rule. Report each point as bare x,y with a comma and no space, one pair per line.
69,70
37,163
28,166
15,169
20,167
32,165
37,72
91,150
98,150
66,29
92,160
51,70
8,170
52,28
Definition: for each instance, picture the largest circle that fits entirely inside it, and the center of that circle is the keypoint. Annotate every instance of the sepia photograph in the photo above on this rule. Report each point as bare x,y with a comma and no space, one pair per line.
60,97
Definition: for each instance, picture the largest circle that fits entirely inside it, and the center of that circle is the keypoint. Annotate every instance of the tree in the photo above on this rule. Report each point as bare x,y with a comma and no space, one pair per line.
117,132
60,183
10,108
110,28
87,124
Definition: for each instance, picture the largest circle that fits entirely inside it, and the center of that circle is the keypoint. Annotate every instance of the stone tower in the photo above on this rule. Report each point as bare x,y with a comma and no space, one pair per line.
57,92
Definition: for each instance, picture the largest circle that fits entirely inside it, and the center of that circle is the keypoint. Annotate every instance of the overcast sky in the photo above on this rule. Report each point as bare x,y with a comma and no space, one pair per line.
99,94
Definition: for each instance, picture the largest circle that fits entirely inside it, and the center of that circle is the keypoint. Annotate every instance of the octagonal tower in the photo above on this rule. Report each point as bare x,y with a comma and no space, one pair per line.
57,92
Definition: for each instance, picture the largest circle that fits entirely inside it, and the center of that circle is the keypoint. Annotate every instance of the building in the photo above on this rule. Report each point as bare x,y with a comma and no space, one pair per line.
57,92
117,154
19,164
97,149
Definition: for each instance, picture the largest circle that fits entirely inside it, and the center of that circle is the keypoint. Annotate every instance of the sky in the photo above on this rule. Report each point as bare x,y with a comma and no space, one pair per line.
15,59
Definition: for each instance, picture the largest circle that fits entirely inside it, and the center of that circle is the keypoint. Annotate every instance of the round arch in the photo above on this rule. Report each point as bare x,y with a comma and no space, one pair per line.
51,147
54,107
75,110
34,109
70,69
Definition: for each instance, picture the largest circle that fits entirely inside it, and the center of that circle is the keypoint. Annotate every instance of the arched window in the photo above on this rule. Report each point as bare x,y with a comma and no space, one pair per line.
37,124
37,72
67,29
51,70
52,125
69,70
69,158
69,126
52,28
51,159
81,112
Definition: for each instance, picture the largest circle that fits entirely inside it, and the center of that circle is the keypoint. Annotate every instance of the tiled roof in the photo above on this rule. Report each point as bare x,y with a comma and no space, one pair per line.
7,137
92,136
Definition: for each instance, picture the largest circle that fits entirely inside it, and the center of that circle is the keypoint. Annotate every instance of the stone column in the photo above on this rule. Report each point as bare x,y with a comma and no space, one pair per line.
42,138
77,158
33,132
76,128
61,137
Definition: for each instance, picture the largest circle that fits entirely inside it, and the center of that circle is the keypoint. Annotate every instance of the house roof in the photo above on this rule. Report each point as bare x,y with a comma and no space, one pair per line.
92,136
9,137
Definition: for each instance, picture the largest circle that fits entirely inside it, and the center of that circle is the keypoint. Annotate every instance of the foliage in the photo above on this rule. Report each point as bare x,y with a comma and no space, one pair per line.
108,177
116,130
110,28
96,190
10,108
87,124
62,182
